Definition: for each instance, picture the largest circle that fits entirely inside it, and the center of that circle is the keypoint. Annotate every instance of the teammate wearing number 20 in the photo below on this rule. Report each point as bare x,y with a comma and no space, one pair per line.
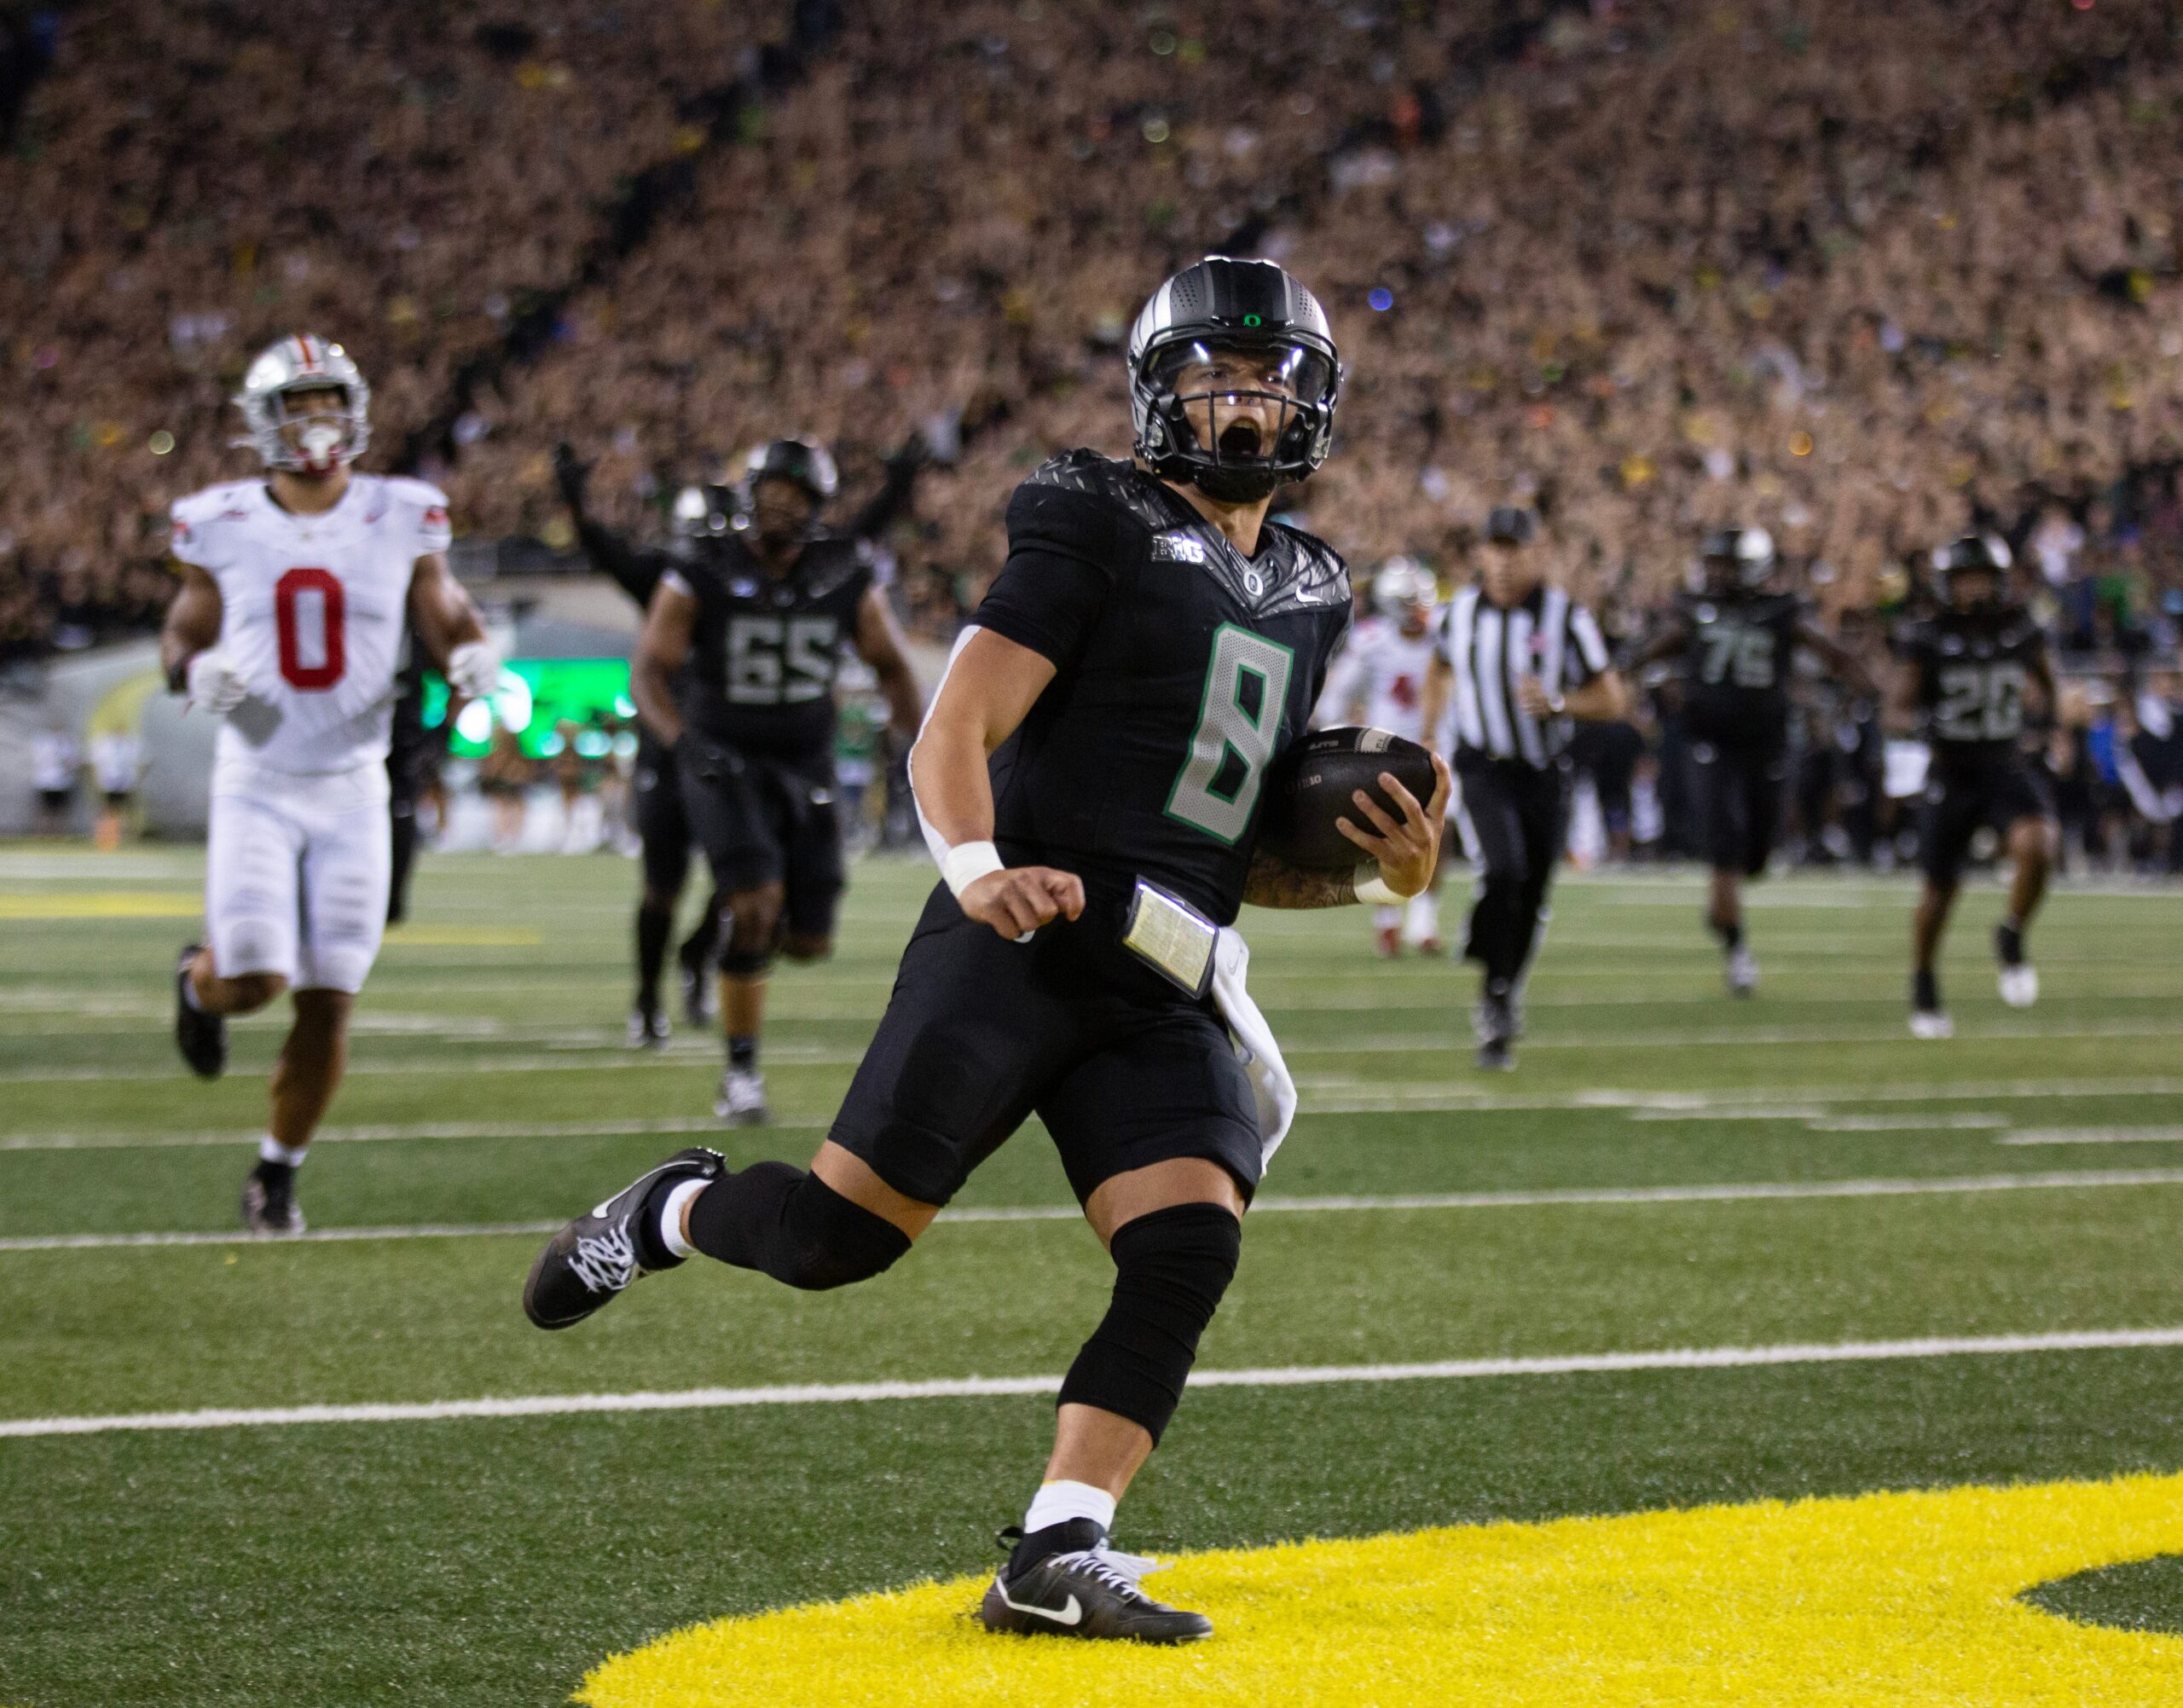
296,589
1091,777
1964,674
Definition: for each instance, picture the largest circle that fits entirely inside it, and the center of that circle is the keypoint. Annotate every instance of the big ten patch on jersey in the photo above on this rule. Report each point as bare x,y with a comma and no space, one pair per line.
1184,668
314,609
766,647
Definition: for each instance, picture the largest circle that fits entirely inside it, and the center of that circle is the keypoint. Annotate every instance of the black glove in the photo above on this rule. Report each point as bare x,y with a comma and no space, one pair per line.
570,475
705,759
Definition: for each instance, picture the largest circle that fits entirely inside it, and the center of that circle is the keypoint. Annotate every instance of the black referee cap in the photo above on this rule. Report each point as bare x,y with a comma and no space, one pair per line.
1512,525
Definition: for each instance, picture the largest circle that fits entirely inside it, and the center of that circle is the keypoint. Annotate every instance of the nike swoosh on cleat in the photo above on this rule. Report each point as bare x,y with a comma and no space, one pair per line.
1073,1614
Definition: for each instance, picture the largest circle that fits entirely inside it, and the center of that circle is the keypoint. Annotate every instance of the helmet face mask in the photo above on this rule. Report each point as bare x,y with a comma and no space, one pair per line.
1403,590
305,406
1973,571
785,484
1233,380
1738,559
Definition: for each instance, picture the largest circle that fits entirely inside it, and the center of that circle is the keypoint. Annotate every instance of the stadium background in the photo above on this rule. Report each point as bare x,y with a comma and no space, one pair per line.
1866,278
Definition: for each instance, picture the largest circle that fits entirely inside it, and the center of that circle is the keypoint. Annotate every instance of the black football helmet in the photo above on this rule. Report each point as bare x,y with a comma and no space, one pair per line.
1740,557
803,460
1972,554
1252,307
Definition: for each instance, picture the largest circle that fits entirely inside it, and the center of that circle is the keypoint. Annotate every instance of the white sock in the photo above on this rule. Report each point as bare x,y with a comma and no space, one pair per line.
671,1217
189,994
270,1149
1386,918
1058,1502
1423,919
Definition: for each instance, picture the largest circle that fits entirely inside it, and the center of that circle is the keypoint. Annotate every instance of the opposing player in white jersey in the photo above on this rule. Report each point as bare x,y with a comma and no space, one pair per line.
1379,679
296,589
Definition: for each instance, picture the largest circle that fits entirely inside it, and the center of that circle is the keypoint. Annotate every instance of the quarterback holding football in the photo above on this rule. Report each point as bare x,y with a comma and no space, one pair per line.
1092,776
299,590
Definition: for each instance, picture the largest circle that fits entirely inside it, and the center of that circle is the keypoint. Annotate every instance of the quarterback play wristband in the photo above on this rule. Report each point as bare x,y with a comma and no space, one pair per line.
1374,888
965,863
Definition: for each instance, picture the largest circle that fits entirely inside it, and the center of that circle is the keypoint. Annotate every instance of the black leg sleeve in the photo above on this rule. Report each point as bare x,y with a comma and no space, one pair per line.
775,1218
655,924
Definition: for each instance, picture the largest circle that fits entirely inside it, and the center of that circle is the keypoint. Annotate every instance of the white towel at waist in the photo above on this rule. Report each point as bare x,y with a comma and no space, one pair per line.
1255,1048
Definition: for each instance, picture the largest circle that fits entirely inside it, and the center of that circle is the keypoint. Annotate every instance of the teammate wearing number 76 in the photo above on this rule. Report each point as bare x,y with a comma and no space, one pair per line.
296,587
1091,777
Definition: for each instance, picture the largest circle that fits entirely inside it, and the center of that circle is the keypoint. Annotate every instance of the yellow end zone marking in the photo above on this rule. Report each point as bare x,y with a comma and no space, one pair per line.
1894,1599
462,937
104,904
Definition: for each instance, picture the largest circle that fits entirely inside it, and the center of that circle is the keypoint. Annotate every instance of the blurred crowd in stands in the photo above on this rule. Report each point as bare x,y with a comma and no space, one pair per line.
1865,276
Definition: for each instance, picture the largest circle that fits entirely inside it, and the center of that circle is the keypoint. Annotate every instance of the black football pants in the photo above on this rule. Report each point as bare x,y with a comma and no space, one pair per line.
1512,818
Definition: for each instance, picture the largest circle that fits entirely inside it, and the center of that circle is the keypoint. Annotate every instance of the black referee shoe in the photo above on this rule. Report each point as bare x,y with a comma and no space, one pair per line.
601,1254
1087,1591
1496,1023
202,1038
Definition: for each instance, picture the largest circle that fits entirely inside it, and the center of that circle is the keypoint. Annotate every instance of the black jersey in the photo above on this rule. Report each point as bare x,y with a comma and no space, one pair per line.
1735,669
1183,670
1971,670
765,648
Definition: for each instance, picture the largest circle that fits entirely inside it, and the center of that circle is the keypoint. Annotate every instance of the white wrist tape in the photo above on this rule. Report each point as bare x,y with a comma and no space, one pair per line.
1373,888
965,863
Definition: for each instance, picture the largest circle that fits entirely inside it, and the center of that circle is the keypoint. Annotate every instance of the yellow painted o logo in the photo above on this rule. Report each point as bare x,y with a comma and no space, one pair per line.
1894,1599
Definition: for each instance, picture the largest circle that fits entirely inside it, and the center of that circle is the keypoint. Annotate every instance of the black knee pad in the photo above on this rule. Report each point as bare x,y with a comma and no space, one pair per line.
774,1217
740,960
739,964
1171,1269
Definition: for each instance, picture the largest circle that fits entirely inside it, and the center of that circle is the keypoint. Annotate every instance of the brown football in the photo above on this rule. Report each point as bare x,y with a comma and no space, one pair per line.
1311,784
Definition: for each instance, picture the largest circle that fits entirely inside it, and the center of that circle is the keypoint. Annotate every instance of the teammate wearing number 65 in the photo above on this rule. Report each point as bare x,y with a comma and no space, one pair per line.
296,589
1091,777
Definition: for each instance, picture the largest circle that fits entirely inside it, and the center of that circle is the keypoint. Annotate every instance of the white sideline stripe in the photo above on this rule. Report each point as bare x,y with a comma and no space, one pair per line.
2094,1135
1730,1193
976,1387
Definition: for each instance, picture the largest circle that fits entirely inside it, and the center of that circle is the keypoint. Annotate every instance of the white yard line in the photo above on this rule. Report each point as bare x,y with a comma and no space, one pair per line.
579,1055
1727,1193
974,1387
421,1130
2094,1135
1324,1094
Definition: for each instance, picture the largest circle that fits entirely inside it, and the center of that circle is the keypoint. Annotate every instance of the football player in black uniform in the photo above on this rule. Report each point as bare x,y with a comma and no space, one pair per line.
661,827
1089,775
734,674
1735,640
1963,673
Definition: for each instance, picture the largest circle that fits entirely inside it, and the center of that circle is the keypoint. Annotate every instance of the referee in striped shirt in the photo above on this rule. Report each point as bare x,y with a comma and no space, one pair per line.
1518,660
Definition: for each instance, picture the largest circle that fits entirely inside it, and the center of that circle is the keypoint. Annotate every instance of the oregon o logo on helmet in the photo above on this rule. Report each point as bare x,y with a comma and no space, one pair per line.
1186,315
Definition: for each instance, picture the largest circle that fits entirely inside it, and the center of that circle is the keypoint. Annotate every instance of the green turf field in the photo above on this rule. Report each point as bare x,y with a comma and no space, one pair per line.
1667,1171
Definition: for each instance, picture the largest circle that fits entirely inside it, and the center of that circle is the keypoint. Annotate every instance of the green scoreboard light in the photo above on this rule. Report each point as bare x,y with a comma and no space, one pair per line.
535,696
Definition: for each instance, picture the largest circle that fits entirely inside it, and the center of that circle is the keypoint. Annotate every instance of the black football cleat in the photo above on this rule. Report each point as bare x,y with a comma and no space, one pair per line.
270,1207
697,992
202,1038
596,1256
1089,1591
